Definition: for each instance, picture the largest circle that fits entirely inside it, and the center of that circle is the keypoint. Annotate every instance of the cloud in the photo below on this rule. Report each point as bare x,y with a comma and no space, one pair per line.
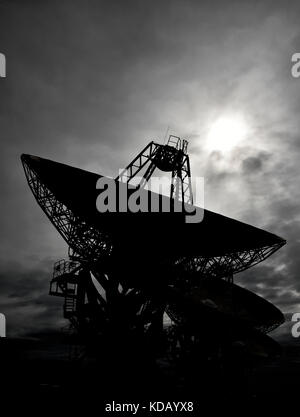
252,164
25,301
89,84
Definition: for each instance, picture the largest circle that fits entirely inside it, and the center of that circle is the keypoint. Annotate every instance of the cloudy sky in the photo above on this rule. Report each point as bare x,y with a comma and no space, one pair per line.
90,83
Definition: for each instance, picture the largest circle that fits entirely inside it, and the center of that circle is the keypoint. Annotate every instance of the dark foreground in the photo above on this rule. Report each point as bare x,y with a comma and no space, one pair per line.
50,375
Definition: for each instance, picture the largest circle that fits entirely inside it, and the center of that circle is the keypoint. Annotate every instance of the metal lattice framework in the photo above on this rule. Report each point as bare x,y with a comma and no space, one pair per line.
84,239
93,245
226,265
171,157
133,305
87,309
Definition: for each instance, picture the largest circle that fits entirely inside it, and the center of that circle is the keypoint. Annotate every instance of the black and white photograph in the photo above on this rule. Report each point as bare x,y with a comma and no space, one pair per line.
150,207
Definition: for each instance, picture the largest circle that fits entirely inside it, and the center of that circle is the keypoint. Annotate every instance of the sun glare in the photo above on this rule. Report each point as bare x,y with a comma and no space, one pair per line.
226,133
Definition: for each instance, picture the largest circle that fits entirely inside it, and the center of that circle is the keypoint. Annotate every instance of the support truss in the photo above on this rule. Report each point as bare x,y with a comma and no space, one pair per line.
84,239
135,307
226,265
171,157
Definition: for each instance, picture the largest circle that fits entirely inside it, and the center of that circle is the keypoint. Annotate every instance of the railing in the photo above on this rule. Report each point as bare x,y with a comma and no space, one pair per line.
62,267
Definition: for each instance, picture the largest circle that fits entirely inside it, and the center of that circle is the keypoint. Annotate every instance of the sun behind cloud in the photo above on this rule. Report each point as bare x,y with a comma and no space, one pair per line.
226,133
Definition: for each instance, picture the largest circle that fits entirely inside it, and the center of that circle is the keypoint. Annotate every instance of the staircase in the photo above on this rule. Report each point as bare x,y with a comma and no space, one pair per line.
65,284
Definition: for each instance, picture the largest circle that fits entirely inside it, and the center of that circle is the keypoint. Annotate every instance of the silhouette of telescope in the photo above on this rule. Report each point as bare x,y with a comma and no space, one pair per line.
217,245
